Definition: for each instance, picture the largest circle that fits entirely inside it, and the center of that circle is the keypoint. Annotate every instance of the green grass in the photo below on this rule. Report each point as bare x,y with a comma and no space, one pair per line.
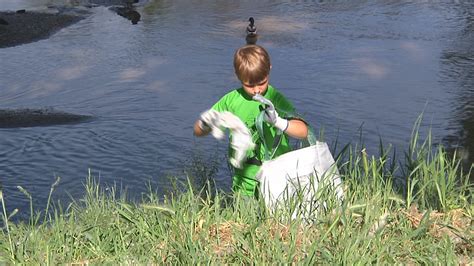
426,221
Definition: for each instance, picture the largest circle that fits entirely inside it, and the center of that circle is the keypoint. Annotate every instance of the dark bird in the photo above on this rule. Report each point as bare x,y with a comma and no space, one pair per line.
251,29
252,36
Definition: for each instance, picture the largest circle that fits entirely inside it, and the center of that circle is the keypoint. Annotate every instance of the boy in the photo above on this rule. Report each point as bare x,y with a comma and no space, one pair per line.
252,67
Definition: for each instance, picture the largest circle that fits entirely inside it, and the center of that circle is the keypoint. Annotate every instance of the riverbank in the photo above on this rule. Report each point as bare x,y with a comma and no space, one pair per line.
429,220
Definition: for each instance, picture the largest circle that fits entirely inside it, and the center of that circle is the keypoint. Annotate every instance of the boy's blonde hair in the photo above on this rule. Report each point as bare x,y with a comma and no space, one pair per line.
251,64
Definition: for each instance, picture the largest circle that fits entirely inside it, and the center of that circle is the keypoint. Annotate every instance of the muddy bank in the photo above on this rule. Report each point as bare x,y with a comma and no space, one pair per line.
25,27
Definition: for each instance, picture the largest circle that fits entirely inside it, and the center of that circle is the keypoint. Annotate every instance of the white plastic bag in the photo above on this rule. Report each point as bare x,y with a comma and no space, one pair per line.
304,180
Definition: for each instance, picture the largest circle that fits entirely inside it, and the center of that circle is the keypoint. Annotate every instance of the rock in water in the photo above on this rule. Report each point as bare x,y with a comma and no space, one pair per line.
13,118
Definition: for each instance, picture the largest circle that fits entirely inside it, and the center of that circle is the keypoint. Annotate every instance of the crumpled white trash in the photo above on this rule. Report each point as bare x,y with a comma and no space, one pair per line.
241,140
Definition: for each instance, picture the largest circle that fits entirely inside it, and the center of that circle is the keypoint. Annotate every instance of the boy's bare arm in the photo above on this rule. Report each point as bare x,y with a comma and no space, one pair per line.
297,129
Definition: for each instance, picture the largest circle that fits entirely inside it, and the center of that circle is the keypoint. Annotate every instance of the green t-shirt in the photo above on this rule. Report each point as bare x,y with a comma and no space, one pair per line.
239,103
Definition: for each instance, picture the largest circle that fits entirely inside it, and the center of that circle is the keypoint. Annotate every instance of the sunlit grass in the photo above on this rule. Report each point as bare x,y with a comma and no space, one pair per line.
427,220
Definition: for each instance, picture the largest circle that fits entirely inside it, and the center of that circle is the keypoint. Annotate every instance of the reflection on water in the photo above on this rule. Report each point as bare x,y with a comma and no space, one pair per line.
343,64
458,75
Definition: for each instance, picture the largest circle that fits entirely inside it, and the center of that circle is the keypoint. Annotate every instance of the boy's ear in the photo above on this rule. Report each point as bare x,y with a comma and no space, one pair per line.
270,66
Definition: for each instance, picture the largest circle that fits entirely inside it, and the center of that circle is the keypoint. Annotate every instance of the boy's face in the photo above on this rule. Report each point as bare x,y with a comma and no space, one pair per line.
259,88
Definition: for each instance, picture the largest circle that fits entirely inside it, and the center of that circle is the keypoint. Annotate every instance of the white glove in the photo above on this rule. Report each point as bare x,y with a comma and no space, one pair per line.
271,116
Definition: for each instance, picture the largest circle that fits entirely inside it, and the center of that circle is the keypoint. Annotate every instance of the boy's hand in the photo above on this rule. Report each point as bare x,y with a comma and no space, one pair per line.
271,116
204,126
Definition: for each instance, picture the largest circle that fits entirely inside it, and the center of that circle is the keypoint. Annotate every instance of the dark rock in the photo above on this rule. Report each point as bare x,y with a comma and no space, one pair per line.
32,26
113,2
26,27
13,118
3,22
128,13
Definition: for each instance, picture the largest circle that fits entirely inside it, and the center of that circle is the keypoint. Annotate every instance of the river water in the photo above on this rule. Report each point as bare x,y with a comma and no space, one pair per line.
348,66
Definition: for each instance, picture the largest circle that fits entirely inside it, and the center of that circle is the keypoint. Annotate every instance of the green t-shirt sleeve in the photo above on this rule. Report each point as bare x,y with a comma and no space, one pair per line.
222,105
283,106
286,109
